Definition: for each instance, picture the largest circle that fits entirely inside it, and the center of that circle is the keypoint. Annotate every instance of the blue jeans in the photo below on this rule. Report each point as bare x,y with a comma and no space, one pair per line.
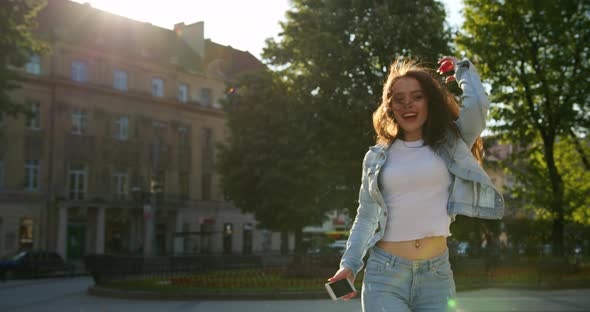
393,283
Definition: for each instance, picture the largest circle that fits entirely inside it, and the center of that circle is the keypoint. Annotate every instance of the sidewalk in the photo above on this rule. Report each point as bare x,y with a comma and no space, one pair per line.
71,294
15,283
501,300
482,300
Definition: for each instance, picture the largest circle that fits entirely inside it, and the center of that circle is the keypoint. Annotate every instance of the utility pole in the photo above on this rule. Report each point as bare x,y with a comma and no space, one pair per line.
149,208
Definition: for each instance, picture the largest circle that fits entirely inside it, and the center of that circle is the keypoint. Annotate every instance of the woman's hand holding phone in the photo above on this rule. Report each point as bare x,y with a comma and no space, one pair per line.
342,274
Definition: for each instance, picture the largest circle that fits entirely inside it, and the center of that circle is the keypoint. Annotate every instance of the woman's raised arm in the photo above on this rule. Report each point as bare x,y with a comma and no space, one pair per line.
475,104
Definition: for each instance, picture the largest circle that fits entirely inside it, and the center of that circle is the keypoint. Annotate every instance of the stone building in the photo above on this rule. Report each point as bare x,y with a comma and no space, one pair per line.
126,119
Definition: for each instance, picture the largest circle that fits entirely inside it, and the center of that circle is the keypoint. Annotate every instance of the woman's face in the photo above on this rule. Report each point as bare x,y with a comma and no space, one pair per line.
410,107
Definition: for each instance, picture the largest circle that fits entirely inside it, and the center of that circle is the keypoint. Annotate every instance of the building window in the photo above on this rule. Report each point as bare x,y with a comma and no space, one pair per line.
218,103
247,238
266,240
120,185
159,182
228,231
122,128
1,175
509,181
183,182
34,65
206,97
120,80
26,233
208,141
79,71
183,93
79,122
206,186
10,241
32,171
207,163
157,87
34,121
183,136
77,182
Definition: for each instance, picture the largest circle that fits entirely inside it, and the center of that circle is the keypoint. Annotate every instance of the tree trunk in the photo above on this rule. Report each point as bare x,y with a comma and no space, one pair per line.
557,199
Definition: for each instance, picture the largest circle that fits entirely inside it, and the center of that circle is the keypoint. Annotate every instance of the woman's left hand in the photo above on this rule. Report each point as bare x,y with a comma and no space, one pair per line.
446,64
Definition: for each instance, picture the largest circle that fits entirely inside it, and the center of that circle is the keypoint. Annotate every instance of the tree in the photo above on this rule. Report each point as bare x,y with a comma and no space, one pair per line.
17,44
576,178
337,54
265,167
535,54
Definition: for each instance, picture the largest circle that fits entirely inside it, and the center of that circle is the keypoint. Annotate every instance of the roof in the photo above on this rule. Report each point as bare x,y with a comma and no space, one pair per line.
229,61
84,25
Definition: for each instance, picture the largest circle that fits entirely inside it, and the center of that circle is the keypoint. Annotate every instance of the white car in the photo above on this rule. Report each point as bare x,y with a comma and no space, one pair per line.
339,245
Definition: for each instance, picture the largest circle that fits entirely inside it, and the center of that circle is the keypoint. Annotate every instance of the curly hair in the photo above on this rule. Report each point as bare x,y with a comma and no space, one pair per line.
443,108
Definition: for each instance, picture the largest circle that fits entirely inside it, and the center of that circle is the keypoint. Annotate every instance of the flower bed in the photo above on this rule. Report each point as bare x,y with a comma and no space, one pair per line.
277,279
246,279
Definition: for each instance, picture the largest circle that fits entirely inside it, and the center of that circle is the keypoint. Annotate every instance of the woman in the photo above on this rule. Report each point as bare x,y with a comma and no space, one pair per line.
423,171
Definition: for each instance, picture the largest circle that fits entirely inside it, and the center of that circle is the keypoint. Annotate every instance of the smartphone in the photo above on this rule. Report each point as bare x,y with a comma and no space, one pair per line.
340,288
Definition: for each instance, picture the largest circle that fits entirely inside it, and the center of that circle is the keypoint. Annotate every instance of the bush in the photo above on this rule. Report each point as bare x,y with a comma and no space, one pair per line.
323,265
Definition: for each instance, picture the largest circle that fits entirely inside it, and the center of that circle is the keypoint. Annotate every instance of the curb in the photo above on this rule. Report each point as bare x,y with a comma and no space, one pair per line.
21,282
275,294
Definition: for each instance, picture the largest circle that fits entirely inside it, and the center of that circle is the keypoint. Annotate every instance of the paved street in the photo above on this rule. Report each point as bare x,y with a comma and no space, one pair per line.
69,294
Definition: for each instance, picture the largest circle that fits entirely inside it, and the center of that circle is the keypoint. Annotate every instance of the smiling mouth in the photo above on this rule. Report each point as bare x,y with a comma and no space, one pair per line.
410,116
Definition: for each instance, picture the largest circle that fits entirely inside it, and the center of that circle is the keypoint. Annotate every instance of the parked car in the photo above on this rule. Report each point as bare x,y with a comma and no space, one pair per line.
34,263
334,248
339,245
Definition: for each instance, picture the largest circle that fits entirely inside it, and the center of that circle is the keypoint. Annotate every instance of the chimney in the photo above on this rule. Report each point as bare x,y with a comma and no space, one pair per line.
193,35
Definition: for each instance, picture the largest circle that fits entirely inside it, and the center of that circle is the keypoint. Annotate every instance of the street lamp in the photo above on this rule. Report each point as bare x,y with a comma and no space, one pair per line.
147,200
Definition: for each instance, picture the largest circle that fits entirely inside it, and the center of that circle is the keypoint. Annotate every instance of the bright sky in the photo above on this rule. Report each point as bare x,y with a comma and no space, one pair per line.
243,24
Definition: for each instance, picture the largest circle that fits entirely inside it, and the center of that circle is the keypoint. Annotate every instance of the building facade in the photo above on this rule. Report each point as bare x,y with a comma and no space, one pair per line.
126,116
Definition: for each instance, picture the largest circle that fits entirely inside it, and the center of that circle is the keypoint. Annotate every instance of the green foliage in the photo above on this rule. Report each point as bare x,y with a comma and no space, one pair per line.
535,55
475,231
576,178
531,190
17,44
266,167
298,136
334,55
526,235
534,192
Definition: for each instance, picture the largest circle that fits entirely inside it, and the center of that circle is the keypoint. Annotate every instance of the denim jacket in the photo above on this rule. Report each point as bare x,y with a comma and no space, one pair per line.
472,193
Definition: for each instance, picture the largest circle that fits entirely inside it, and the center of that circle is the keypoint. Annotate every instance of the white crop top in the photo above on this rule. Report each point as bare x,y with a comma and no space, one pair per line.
415,184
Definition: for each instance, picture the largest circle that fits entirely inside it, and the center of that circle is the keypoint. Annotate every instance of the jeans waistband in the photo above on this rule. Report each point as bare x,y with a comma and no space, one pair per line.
387,257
